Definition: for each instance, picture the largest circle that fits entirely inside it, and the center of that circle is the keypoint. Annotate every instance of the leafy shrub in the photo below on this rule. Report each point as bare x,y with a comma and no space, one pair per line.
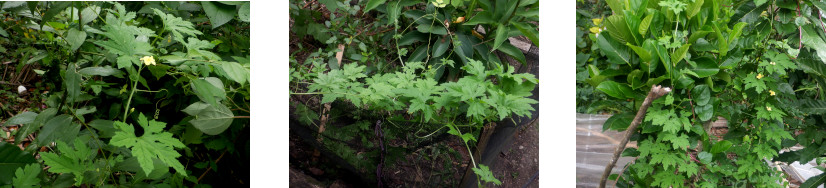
185,65
432,60
758,64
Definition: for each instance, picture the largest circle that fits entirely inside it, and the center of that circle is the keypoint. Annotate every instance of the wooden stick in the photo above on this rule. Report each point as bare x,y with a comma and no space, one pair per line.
655,93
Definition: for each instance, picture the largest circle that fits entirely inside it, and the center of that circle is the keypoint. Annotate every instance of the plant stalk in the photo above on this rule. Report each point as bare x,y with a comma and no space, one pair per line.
655,93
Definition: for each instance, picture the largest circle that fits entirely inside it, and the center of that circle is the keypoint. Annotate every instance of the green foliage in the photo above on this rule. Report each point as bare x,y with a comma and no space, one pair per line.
486,175
11,158
759,68
27,176
71,160
153,144
93,57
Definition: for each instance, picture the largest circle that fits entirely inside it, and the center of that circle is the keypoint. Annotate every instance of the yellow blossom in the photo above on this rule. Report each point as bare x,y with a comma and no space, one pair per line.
769,108
771,93
595,30
759,76
764,14
772,63
148,60
597,21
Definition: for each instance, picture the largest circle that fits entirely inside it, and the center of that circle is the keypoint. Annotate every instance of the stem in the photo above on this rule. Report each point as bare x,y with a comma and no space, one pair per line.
656,92
470,154
129,102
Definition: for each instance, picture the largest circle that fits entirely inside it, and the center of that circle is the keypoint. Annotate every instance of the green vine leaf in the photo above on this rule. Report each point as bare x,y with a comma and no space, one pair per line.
12,158
211,119
153,144
177,26
72,160
485,174
27,176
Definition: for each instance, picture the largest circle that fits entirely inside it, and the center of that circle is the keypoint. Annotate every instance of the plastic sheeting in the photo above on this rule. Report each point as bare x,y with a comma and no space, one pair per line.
594,148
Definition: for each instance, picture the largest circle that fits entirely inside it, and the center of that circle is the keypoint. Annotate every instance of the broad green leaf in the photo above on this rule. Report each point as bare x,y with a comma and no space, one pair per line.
72,82
812,40
693,8
207,91
40,55
501,35
58,128
244,12
646,22
616,5
106,128
27,176
704,112
644,55
440,47
35,125
705,157
618,122
435,28
814,181
54,9
418,55
12,158
678,55
218,13
662,52
701,95
481,18
101,71
721,146
236,72
616,52
210,119
22,118
528,31
89,14
411,37
735,32
705,67
75,38
514,52
697,35
373,4
618,29
617,90
153,144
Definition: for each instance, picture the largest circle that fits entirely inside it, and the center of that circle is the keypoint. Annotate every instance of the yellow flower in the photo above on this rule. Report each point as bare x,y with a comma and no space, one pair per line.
595,30
769,108
771,93
764,14
772,63
148,60
597,21
759,76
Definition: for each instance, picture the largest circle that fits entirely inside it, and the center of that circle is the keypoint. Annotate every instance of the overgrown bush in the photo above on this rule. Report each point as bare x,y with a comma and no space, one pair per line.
430,63
758,64
138,88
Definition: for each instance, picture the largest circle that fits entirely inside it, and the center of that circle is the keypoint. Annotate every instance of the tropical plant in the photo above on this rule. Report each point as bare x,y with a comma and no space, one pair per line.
184,64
